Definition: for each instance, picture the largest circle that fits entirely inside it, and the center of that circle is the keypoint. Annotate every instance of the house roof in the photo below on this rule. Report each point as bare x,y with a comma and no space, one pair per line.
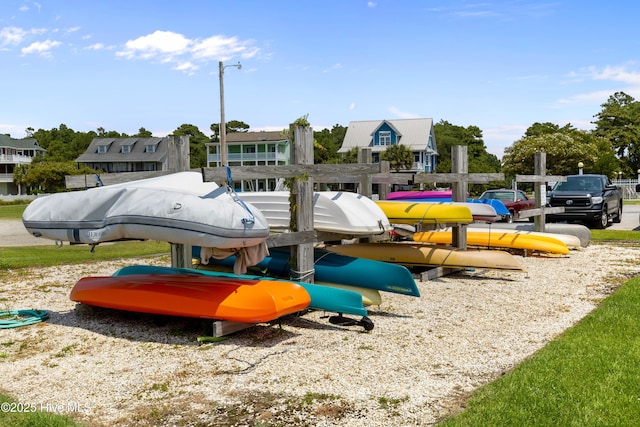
20,144
414,133
240,137
114,154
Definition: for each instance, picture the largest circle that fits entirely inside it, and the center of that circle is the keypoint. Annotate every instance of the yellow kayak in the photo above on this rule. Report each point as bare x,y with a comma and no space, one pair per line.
498,239
407,212
421,254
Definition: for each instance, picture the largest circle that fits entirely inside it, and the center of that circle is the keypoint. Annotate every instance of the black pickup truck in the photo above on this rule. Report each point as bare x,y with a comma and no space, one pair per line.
591,199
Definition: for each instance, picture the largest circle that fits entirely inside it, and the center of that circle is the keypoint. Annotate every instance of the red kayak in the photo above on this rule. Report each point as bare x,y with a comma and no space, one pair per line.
188,295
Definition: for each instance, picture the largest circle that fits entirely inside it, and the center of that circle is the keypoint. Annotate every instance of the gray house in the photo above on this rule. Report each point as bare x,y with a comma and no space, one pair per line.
416,134
113,155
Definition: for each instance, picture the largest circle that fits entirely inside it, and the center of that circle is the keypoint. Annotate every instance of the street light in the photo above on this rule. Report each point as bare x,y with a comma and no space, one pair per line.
580,166
223,125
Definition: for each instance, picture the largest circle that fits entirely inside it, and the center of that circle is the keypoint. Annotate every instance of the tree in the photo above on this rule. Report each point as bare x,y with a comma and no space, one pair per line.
619,123
197,147
143,133
327,143
564,150
479,160
230,127
399,157
48,176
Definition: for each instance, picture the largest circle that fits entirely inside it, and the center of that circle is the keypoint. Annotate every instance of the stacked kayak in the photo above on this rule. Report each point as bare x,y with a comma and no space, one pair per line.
427,255
410,212
331,267
322,298
498,239
191,295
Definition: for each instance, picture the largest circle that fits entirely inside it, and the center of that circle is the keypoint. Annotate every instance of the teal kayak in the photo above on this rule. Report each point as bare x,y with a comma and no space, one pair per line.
322,297
331,267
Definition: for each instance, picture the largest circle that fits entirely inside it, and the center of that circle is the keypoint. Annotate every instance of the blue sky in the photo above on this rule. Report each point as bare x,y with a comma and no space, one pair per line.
498,65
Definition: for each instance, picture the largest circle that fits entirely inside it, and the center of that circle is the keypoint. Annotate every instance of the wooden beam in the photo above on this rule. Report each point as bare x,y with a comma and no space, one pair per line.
472,178
239,173
540,178
288,239
88,181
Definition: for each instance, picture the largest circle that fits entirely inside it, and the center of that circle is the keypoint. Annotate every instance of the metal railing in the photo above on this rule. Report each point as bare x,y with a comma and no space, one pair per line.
628,187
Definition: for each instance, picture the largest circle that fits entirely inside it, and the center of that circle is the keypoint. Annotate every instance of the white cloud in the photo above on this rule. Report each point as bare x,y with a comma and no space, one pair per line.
160,44
41,48
334,67
12,36
371,4
174,48
96,46
187,67
352,106
403,114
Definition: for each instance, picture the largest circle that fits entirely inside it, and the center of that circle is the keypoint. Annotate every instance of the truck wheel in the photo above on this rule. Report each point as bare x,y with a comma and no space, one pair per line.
604,219
618,218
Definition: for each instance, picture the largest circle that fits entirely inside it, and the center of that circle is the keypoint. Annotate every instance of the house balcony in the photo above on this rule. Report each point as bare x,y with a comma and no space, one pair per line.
6,177
249,158
15,159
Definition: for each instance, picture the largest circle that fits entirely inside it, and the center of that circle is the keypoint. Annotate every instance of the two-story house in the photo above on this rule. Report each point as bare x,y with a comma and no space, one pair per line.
252,149
113,155
416,134
15,152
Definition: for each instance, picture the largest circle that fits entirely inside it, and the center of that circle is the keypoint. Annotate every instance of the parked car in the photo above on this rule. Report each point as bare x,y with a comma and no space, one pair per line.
588,198
515,201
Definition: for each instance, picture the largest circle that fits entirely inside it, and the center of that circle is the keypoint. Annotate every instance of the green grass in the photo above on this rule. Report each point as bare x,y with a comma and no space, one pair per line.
44,256
12,211
588,377
29,415
615,235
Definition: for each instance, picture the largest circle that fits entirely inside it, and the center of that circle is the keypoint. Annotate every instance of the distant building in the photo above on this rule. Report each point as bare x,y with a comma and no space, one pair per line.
15,152
112,155
252,149
416,134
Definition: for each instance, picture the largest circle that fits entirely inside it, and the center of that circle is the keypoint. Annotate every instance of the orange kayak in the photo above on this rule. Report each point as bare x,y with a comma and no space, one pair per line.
187,295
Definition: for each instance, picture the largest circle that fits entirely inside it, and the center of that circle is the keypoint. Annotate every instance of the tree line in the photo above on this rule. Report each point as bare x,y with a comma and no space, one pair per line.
613,146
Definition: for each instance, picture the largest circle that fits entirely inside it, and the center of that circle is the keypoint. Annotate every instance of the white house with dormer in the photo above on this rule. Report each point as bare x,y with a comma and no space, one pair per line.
415,134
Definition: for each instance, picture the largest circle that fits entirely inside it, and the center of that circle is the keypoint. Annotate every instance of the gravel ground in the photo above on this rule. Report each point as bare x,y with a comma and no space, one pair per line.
416,366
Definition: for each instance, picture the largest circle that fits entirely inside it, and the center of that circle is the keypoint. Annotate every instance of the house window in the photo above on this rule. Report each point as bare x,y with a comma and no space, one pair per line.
151,148
384,137
250,149
102,149
125,149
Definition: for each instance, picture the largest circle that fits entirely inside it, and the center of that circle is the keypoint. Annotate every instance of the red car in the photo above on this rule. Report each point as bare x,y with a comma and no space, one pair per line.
514,200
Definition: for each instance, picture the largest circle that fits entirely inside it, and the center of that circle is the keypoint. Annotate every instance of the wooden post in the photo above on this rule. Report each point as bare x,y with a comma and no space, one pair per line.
302,189
540,180
540,168
383,188
365,157
459,165
459,179
178,161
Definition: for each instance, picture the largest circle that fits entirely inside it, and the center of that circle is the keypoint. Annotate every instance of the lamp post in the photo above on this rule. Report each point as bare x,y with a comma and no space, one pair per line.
580,166
223,125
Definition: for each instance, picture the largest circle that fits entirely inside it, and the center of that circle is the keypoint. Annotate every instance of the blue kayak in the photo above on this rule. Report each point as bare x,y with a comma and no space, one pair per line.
335,268
322,297
499,207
